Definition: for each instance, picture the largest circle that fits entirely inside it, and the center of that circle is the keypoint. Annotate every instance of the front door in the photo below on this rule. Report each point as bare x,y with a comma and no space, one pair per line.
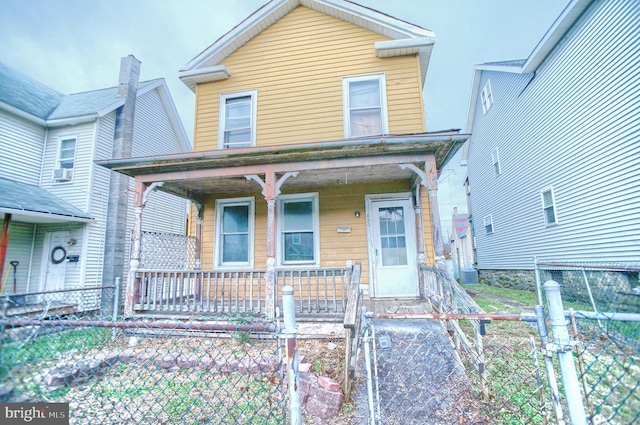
55,260
393,248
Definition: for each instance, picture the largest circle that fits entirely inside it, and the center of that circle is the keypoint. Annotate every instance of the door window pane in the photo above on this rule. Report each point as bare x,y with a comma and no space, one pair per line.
392,236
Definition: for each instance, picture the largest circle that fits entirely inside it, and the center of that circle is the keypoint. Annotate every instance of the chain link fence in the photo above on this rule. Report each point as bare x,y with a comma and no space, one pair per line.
145,371
595,286
608,359
418,377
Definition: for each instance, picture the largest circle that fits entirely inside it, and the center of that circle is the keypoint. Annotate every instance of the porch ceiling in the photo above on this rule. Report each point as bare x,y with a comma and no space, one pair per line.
366,160
305,179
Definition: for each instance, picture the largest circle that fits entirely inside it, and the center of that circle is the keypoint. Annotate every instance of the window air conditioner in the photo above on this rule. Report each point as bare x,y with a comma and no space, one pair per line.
62,174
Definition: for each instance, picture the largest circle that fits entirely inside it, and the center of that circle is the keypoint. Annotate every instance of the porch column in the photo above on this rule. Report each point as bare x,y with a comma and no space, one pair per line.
432,187
270,190
141,192
198,259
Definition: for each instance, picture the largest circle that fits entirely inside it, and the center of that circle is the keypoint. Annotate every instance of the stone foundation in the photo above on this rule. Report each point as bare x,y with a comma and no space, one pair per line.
515,279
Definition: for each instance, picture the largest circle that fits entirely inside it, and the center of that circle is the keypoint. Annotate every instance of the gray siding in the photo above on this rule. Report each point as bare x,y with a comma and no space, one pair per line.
21,145
19,250
573,126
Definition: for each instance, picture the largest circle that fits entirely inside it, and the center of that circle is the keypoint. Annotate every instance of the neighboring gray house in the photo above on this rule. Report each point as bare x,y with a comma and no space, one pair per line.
554,156
462,251
55,200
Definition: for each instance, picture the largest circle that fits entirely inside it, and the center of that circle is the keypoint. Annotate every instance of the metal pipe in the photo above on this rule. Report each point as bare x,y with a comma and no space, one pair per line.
367,356
16,323
290,333
562,345
548,364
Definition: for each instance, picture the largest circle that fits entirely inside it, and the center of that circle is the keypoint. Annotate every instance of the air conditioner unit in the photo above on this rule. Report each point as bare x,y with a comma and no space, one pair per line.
62,174
469,276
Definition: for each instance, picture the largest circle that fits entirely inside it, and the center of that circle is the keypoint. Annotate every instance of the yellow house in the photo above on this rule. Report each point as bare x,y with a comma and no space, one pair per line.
310,151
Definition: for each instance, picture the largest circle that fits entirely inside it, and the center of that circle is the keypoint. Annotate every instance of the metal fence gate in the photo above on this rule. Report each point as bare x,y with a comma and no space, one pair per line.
541,367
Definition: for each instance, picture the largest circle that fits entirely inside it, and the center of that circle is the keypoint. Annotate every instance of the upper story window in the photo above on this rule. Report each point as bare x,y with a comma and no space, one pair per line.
488,224
234,235
67,152
549,206
365,105
298,229
486,97
495,159
238,120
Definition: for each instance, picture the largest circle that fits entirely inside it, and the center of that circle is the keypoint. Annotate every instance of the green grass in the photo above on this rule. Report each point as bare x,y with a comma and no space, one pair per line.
523,297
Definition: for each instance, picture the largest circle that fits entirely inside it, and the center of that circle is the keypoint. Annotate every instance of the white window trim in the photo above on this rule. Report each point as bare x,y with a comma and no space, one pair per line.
59,148
495,159
484,224
220,204
553,205
347,107
486,97
313,196
254,114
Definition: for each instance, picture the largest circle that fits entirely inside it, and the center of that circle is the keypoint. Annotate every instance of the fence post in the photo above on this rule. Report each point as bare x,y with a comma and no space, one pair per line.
290,333
562,345
116,307
538,284
548,364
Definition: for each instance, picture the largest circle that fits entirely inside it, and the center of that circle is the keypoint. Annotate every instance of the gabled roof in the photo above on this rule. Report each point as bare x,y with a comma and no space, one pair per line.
406,38
26,97
545,46
33,204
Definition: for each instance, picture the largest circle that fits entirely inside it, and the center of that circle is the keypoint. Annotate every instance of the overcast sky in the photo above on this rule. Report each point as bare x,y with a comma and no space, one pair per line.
76,45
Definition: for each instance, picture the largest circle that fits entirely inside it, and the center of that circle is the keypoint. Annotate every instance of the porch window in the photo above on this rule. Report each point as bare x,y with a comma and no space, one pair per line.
67,152
549,206
235,222
298,224
365,105
237,120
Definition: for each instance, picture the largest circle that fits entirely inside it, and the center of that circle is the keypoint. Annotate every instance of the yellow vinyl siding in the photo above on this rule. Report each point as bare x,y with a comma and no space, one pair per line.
296,65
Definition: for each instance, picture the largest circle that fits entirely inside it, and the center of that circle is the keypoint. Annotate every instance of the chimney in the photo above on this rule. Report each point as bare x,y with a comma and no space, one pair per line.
116,217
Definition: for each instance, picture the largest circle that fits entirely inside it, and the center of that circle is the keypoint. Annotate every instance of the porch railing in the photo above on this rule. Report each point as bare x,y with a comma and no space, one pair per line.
320,290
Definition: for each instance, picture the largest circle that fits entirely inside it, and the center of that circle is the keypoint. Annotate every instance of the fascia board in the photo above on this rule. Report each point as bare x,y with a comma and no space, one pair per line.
22,114
73,120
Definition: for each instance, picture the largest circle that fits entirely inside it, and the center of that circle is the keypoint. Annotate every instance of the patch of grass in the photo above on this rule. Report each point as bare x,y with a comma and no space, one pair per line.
523,297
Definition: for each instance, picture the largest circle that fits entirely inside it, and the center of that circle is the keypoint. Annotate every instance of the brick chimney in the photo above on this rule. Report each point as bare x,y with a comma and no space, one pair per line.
116,225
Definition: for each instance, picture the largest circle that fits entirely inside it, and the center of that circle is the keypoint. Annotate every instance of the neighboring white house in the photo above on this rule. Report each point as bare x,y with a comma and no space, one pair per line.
53,197
462,251
554,156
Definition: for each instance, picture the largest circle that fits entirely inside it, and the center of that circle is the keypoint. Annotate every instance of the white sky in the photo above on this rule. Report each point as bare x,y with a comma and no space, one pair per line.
76,45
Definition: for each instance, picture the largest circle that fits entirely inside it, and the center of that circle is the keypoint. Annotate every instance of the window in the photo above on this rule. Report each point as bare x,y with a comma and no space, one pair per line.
488,224
486,97
235,219
238,120
365,106
495,159
67,152
298,224
549,206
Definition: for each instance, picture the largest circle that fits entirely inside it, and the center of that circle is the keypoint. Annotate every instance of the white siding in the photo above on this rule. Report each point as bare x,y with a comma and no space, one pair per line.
21,144
18,250
574,125
76,191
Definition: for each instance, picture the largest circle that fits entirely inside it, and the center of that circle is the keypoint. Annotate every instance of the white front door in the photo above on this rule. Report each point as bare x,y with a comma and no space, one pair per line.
55,260
393,248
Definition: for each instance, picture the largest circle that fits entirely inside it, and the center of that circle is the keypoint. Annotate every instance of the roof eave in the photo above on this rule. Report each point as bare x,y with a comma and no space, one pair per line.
20,215
204,75
22,114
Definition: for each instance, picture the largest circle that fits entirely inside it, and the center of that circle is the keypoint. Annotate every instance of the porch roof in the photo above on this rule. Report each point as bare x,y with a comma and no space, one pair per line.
367,159
33,204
